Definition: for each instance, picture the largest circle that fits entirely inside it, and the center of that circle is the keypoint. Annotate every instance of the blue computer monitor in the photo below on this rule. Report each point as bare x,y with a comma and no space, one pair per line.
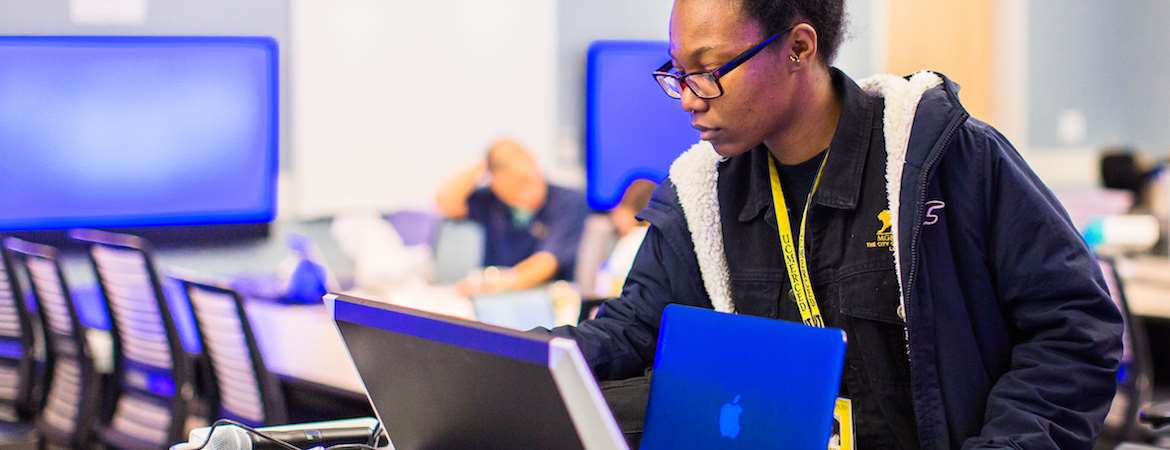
632,129
112,131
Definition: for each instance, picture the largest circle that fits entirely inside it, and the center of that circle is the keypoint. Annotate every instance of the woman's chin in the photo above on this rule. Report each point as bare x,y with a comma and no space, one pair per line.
728,149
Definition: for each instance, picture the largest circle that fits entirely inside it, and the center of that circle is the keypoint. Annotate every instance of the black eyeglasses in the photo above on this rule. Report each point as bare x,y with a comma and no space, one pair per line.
705,85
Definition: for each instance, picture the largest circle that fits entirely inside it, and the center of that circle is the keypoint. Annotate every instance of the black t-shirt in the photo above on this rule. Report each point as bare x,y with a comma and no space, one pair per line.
797,181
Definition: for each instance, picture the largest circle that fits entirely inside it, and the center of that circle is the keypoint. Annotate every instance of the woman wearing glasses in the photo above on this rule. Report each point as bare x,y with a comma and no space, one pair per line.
976,316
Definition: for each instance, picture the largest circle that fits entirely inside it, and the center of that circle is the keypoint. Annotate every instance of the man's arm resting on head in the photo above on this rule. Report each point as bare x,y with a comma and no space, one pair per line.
451,200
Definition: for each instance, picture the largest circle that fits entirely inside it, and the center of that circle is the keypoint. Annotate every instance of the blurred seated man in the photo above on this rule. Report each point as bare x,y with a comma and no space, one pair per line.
531,228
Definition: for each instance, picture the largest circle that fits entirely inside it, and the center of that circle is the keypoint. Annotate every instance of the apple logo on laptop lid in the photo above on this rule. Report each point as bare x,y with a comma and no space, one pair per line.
729,419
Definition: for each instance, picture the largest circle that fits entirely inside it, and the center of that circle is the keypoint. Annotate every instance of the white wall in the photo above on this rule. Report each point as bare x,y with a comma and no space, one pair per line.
1104,61
862,51
390,97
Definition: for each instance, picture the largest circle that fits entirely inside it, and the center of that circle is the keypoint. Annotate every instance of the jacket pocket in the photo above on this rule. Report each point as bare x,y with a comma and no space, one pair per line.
877,361
757,293
868,303
871,293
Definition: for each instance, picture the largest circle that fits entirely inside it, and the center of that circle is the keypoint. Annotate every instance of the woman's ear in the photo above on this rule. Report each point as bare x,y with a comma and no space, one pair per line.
803,47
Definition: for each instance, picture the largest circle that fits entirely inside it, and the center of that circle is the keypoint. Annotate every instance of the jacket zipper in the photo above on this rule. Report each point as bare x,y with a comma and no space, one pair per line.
927,170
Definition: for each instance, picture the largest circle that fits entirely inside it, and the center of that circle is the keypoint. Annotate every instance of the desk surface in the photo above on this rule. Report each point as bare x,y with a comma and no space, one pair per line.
302,341
1147,286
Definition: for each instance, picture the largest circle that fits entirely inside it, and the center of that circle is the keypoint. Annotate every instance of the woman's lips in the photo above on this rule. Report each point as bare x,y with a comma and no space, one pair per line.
706,133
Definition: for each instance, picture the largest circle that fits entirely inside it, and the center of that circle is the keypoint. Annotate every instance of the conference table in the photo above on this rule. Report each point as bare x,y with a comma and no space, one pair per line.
298,342
301,341
301,344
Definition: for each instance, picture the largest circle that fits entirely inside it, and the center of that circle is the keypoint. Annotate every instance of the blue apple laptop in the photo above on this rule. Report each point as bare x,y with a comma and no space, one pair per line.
738,382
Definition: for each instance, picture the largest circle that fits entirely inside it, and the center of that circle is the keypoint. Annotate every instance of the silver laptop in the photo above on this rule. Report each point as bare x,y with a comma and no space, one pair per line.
437,382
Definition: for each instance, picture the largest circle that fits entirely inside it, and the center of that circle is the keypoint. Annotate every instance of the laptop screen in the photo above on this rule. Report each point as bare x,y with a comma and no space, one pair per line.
439,382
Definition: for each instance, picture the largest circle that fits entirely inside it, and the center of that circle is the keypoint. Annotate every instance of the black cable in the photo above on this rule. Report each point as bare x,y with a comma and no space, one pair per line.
211,431
350,446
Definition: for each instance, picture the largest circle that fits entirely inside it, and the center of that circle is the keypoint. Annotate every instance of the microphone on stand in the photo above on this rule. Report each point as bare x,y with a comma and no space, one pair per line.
229,436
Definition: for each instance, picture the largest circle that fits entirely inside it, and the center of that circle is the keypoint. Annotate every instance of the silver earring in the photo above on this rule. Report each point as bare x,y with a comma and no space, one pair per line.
794,58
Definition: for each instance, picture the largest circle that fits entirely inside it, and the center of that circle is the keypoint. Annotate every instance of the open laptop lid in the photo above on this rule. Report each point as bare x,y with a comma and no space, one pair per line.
441,382
730,381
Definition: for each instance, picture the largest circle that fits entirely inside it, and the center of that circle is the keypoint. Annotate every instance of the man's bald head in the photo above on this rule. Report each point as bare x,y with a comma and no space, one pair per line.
515,175
509,155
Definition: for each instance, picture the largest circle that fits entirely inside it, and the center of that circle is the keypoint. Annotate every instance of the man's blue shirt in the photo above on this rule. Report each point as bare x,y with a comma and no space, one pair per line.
510,238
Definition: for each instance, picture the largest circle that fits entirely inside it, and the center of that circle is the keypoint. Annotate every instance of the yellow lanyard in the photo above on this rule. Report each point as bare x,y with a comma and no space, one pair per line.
794,259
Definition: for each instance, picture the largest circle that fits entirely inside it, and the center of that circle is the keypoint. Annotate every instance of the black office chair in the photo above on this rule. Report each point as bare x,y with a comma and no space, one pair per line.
18,365
71,403
242,389
1135,379
152,370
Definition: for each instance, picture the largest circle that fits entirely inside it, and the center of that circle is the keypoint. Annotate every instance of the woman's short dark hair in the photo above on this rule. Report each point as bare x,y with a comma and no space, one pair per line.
826,16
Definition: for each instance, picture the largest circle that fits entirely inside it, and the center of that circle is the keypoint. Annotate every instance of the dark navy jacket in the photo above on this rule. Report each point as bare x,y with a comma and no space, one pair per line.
1013,340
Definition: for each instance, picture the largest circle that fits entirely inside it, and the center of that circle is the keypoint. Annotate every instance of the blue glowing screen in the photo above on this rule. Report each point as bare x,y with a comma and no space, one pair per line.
632,129
137,131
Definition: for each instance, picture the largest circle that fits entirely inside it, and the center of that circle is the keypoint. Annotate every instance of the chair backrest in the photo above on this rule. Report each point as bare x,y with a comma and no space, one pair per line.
597,241
72,398
243,389
151,367
1135,379
459,249
415,227
17,346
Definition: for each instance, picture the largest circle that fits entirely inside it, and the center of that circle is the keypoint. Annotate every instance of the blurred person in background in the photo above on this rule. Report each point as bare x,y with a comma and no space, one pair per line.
630,231
531,228
977,317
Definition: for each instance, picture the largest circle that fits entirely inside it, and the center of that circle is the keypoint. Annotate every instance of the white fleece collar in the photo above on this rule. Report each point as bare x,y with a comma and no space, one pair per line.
695,175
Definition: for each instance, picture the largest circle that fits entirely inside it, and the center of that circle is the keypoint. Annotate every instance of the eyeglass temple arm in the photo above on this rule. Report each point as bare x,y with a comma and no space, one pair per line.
746,55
